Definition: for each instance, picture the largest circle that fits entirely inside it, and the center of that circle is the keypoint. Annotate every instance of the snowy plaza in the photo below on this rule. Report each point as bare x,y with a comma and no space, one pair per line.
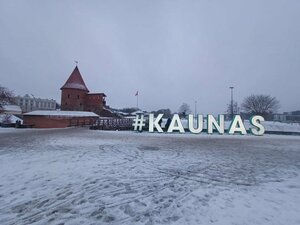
80,176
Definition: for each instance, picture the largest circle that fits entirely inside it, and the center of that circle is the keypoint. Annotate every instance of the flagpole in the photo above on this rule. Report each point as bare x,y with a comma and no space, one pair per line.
137,99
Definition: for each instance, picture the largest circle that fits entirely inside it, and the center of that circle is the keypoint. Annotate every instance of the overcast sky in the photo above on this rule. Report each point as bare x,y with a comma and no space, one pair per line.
170,51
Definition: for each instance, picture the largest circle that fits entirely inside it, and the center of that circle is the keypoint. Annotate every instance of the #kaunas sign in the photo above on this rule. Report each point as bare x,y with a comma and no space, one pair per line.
237,125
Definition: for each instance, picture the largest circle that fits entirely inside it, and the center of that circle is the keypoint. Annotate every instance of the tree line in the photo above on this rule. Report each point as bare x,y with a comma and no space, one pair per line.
262,105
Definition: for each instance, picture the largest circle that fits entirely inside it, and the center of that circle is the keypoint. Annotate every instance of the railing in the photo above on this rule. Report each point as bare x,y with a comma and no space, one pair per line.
112,124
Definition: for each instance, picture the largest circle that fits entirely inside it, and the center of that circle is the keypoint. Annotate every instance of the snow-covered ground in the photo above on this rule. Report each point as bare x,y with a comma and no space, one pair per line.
80,176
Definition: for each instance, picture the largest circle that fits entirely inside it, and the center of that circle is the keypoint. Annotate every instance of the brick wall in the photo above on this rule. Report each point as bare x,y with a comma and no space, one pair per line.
57,122
73,100
78,100
94,103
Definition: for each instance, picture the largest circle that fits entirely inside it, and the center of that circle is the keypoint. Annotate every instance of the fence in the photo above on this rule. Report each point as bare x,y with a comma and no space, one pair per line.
112,124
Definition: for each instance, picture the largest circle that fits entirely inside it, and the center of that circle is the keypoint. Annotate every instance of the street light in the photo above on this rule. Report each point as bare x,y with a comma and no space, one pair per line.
231,107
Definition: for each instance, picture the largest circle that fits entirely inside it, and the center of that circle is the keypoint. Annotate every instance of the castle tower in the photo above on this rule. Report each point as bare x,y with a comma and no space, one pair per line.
73,92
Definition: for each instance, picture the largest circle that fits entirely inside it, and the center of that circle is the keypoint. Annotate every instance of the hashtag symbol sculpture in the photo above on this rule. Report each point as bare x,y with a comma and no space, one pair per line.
138,123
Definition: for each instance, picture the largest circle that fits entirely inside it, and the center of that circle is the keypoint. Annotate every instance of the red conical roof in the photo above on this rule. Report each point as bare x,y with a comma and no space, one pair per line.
75,81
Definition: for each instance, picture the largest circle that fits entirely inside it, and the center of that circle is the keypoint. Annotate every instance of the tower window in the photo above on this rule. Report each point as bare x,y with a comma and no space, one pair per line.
78,96
68,96
66,103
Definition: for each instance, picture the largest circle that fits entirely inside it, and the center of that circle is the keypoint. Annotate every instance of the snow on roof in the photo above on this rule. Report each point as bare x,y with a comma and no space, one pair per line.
137,112
97,94
61,113
9,117
12,108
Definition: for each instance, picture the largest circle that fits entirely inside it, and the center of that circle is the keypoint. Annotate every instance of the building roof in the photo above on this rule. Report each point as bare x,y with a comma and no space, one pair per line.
75,81
15,109
10,118
97,94
61,113
32,97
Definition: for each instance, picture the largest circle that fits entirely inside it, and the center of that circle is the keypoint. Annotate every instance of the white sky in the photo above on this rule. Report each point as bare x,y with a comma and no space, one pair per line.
171,51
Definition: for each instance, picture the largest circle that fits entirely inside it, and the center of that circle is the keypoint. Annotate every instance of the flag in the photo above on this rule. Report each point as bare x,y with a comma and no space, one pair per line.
137,93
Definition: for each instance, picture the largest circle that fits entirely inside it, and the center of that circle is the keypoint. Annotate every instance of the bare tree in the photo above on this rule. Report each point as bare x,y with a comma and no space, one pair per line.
235,109
184,110
129,110
167,112
6,119
6,97
263,105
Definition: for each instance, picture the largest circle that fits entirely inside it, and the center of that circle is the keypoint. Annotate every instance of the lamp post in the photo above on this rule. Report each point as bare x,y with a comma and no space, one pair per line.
231,102
195,108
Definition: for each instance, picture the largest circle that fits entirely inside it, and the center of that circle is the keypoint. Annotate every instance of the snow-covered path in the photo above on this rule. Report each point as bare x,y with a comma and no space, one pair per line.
79,176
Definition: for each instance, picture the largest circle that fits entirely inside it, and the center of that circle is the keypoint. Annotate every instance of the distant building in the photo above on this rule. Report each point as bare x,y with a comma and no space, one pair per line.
288,117
30,103
12,109
75,96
